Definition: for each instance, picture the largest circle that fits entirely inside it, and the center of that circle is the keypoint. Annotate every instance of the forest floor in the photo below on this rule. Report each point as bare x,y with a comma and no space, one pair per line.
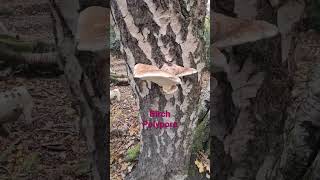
50,147
124,125
124,132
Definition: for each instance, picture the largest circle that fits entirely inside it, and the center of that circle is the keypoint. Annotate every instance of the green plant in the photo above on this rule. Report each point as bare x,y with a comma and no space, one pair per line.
16,44
133,153
201,136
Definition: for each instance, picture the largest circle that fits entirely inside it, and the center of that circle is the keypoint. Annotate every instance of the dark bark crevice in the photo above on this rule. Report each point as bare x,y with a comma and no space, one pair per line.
142,16
127,40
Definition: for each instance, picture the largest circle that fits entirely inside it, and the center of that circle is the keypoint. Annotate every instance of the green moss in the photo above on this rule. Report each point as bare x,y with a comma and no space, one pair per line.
16,44
30,164
200,143
201,136
133,153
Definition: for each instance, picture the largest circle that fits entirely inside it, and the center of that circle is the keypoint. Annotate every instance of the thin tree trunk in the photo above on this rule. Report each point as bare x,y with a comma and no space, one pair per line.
155,33
87,76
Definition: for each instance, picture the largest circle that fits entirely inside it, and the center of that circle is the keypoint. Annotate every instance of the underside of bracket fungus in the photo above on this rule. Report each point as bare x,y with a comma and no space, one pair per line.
229,31
167,77
92,29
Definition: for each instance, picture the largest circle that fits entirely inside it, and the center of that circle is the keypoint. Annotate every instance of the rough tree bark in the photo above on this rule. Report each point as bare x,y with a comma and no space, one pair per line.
155,33
275,134
86,73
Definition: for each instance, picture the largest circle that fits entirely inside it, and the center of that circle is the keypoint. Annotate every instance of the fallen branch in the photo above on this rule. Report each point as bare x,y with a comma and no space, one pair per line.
119,79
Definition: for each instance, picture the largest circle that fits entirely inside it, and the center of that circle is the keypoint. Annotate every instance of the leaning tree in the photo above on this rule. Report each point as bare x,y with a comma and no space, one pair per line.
161,41
81,39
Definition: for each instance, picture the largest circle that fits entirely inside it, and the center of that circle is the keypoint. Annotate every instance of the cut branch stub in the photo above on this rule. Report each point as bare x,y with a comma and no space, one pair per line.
92,28
229,31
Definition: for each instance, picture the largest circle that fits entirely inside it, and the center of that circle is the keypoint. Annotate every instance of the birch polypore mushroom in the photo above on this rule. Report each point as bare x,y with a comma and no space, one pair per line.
178,71
92,29
229,31
166,80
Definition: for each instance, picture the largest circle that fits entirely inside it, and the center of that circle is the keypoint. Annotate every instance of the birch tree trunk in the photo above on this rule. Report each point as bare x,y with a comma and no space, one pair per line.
274,134
155,33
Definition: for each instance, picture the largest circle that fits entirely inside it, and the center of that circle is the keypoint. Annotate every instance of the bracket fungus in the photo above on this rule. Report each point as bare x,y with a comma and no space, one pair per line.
178,71
167,77
92,29
229,31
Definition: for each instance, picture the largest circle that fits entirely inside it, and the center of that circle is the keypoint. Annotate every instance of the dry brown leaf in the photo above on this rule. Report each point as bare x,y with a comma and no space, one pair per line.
200,166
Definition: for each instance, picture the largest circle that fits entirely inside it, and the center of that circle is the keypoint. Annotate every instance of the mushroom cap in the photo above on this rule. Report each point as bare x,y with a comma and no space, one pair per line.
140,69
179,71
92,29
229,31
154,74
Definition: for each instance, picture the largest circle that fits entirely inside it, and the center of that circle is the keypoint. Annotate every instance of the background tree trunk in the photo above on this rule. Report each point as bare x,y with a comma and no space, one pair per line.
275,134
86,73
158,32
